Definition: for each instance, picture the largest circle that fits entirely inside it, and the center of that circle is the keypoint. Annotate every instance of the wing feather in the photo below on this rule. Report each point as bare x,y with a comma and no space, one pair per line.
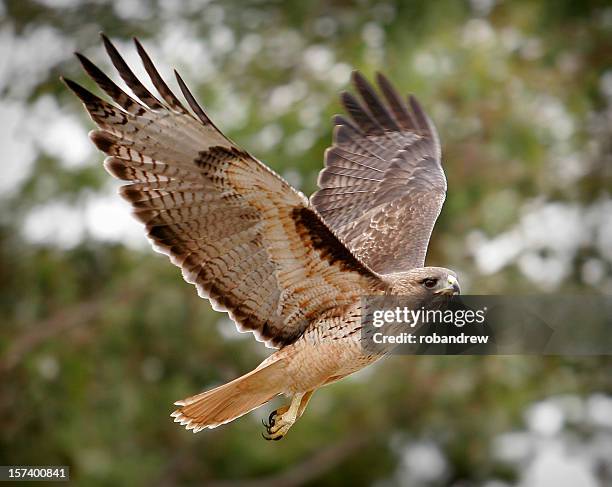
129,77
383,185
249,242
157,80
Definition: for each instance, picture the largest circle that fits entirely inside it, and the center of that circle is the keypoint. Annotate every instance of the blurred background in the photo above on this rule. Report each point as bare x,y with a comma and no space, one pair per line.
100,335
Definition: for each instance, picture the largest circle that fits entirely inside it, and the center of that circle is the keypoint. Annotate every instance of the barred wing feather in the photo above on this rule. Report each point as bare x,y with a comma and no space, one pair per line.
250,243
383,185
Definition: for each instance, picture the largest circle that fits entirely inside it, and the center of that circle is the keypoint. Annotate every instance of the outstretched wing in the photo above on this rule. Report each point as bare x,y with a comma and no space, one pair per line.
383,185
240,233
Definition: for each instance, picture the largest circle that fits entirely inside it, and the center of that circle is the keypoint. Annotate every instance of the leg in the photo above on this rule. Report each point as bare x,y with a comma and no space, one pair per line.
304,403
283,418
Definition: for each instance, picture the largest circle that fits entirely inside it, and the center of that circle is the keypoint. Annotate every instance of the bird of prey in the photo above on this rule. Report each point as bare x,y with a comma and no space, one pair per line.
292,270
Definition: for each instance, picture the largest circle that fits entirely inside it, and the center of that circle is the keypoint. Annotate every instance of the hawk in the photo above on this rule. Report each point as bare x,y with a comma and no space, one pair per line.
292,270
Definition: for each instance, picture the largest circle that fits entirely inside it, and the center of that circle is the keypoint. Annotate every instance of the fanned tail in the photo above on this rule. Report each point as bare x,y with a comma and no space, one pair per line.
230,401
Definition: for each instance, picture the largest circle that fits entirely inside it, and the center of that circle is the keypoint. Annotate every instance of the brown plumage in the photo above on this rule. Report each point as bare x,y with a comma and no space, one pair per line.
383,186
290,270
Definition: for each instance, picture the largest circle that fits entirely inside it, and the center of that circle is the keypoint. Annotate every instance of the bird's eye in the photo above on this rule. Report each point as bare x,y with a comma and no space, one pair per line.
430,282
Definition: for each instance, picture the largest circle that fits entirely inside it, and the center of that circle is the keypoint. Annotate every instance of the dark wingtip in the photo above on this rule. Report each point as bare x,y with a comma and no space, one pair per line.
386,86
345,96
141,51
347,100
357,78
414,103
73,85
108,44
357,75
85,95
381,79
85,62
102,140
419,114
338,119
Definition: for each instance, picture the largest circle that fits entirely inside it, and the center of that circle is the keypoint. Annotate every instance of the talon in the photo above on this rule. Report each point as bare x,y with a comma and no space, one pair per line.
269,436
279,423
272,418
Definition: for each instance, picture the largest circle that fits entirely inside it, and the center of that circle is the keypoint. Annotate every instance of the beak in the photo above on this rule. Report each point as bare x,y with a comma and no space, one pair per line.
451,289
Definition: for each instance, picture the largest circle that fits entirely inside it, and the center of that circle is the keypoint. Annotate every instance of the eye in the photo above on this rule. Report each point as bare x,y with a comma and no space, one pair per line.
430,282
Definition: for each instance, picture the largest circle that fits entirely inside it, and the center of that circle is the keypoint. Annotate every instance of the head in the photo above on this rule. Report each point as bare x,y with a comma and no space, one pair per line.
425,283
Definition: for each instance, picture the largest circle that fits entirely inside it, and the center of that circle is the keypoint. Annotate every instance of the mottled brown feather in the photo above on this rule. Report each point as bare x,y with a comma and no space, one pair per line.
248,241
383,185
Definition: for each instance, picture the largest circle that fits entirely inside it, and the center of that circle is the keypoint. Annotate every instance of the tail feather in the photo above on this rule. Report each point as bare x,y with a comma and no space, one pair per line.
230,401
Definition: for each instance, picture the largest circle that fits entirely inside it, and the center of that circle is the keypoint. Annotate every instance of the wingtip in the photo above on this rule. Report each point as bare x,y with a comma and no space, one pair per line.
361,83
357,77
82,58
144,56
337,119
137,43
87,65
108,45
69,83
179,80
83,94
414,102
381,79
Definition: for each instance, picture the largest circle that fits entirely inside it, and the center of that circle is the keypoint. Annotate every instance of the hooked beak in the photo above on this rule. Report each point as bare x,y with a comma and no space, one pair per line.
451,289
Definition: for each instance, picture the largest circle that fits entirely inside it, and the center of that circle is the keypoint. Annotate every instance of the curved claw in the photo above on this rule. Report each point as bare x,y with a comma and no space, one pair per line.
272,418
270,434
278,424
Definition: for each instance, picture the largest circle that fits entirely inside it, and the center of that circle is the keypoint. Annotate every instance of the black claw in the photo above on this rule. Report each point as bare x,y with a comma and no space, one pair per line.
271,419
272,422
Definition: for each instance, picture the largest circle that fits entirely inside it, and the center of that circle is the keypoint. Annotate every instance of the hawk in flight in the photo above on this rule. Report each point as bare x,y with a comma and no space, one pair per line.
292,270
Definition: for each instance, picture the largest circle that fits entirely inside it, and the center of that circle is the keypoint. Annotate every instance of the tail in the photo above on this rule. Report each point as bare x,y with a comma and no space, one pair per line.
230,401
